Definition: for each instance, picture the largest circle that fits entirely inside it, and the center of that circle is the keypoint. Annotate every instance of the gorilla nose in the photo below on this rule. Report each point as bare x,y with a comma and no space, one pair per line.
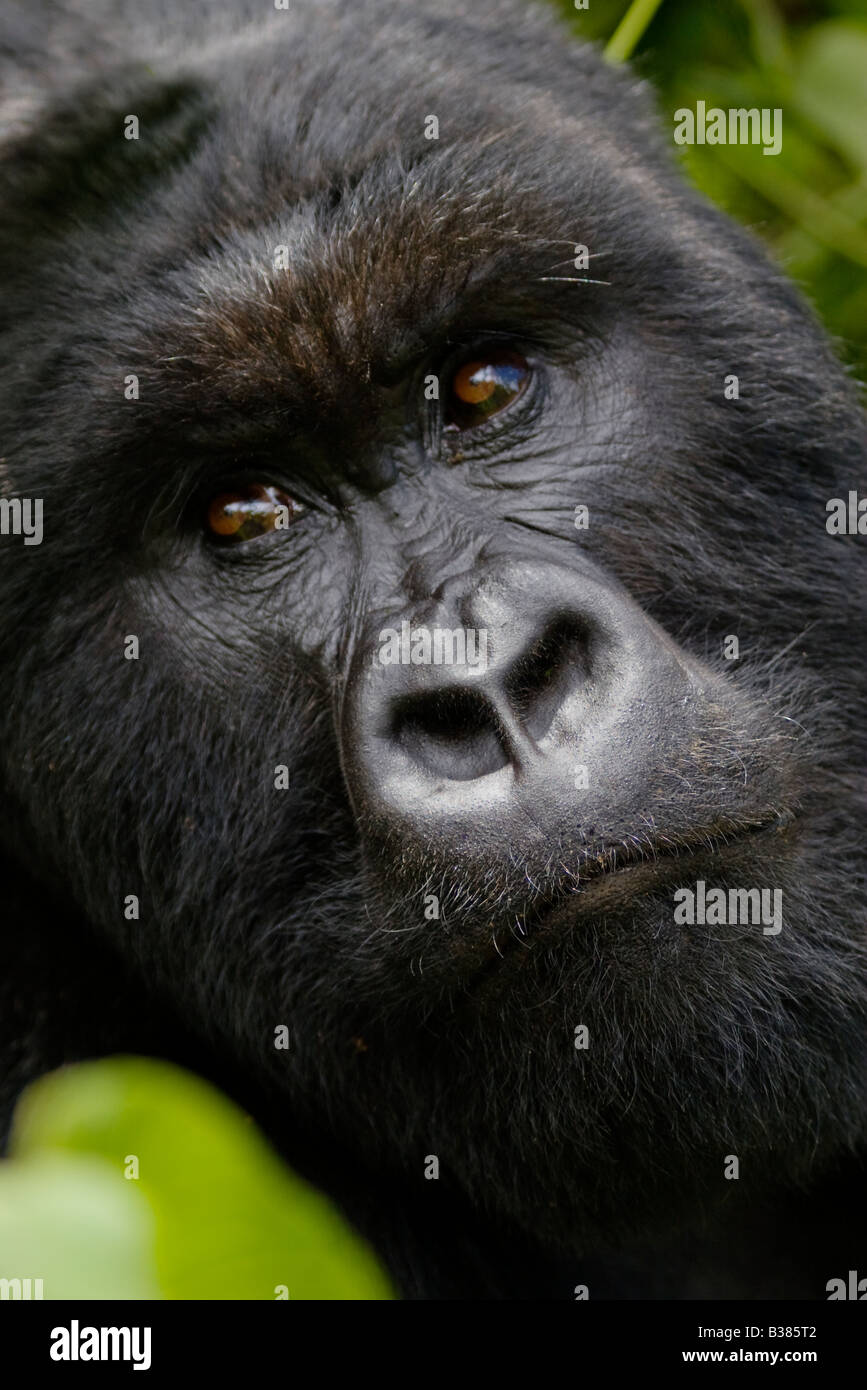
494,703
495,707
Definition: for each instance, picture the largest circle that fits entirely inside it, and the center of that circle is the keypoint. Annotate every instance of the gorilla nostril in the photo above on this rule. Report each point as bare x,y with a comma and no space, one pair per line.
453,733
543,677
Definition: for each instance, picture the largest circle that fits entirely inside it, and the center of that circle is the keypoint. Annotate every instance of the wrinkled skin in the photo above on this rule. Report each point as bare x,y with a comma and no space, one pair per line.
309,905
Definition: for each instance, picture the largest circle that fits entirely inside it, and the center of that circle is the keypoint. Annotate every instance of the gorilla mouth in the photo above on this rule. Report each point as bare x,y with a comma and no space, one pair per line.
618,875
614,860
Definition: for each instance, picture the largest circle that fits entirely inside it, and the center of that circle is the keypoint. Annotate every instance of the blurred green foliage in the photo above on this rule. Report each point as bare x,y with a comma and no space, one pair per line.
807,57
130,1178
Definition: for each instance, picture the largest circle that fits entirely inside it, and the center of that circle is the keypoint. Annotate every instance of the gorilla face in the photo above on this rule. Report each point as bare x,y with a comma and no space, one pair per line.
310,398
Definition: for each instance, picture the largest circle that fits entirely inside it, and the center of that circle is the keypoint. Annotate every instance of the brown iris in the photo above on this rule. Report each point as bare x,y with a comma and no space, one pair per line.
484,386
250,511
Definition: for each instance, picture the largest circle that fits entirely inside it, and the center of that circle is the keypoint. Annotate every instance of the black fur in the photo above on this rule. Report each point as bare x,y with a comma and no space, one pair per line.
155,777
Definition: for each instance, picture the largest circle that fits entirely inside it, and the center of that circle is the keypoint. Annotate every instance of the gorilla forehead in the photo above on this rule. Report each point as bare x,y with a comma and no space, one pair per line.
389,236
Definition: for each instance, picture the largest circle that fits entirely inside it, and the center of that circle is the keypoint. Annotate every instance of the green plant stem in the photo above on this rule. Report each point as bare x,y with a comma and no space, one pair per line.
627,35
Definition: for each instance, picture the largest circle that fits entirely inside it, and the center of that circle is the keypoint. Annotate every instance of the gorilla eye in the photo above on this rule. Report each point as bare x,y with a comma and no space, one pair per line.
483,387
248,512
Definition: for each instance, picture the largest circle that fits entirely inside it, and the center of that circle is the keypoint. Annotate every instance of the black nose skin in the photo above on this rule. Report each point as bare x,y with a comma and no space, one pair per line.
580,705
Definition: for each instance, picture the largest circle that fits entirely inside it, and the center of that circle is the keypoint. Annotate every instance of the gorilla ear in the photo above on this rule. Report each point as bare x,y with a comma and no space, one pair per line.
95,149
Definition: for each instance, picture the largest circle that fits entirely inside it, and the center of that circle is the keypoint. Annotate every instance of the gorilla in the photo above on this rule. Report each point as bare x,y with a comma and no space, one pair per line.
423,641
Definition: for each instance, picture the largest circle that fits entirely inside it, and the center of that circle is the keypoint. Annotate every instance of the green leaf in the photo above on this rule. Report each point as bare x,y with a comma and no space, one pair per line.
229,1220
831,85
65,1220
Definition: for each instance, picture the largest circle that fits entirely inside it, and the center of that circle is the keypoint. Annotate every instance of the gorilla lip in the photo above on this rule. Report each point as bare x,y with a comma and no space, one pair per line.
606,882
